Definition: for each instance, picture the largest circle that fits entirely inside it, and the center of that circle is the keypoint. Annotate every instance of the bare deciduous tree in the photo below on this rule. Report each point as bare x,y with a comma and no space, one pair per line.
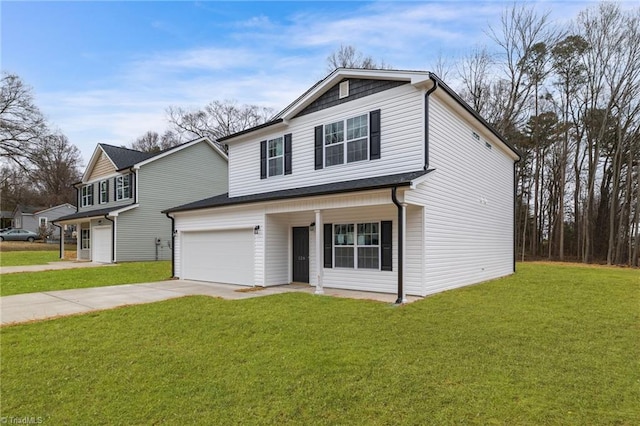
350,57
217,119
21,122
152,142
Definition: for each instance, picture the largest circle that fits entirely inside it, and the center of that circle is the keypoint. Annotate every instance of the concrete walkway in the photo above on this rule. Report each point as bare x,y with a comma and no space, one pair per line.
51,266
50,304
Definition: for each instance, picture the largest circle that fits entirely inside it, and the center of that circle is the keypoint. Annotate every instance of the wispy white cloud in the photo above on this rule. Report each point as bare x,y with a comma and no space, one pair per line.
263,61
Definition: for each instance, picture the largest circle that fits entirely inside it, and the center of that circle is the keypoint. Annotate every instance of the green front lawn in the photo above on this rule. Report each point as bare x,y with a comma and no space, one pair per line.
123,273
553,344
19,258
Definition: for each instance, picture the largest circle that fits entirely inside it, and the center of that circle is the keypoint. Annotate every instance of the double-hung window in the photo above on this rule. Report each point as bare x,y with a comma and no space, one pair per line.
275,156
123,187
87,195
346,139
357,245
103,192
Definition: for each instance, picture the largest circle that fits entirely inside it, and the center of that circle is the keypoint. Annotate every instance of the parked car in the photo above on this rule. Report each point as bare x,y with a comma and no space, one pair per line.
19,235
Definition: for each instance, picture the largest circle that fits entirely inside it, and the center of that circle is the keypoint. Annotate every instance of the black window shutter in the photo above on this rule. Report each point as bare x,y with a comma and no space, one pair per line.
287,154
107,183
386,240
374,134
131,186
263,160
328,245
318,147
115,188
93,200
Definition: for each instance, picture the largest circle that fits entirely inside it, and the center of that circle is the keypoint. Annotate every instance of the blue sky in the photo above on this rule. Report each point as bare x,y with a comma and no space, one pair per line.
107,71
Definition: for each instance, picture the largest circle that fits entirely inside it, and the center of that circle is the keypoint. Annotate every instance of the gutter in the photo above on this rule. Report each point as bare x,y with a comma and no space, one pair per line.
399,300
113,238
426,120
173,245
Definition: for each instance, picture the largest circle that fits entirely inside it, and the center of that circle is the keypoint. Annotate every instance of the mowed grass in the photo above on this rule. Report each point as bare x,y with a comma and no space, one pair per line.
18,258
122,273
553,344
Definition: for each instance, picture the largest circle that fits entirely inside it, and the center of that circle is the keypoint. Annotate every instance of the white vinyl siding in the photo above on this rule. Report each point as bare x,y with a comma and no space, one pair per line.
469,204
402,141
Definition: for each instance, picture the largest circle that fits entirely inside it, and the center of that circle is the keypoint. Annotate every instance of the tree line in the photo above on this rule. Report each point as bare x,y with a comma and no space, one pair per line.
569,100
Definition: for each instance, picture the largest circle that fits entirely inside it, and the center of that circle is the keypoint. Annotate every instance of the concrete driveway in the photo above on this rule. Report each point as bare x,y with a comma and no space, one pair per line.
50,304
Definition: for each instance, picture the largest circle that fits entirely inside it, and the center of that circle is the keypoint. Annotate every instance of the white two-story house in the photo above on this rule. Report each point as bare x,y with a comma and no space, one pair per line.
375,180
123,192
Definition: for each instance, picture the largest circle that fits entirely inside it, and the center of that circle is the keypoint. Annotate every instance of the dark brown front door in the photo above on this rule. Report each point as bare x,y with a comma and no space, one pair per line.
301,254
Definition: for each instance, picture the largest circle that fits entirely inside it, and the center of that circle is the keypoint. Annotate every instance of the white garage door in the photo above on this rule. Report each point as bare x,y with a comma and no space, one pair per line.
101,244
219,256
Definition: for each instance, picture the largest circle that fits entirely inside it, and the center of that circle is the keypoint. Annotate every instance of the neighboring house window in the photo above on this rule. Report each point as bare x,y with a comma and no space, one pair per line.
104,192
357,245
275,156
123,187
347,139
86,240
87,195
43,222
18,222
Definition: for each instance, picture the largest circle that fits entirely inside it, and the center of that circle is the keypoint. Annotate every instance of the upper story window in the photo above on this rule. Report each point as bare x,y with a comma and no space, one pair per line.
87,195
123,187
103,192
347,139
275,155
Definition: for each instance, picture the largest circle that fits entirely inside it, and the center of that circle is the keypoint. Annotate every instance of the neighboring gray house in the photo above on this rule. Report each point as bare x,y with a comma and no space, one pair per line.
123,192
32,218
6,218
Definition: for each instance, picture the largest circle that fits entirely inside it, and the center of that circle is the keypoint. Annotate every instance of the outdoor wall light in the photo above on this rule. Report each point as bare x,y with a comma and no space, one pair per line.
256,229
312,226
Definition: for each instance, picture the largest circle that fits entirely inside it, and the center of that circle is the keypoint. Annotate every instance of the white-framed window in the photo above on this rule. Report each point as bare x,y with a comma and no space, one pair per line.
87,195
356,245
103,190
346,140
85,234
123,187
42,222
275,156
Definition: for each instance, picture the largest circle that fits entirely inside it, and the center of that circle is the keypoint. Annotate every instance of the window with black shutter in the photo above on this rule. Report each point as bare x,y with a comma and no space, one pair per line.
328,245
386,244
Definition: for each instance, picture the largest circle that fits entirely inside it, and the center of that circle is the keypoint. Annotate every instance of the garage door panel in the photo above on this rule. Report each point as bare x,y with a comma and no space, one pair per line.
219,256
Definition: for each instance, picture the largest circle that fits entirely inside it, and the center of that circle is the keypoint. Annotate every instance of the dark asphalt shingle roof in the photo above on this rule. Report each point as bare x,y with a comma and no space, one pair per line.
125,157
378,182
91,213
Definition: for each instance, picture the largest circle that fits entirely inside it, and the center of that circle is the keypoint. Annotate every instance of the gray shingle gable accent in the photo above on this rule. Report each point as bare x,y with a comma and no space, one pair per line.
358,88
388,181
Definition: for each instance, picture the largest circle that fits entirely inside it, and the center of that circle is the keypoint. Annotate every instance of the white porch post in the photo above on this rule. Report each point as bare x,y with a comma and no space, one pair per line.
319,252
404,251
